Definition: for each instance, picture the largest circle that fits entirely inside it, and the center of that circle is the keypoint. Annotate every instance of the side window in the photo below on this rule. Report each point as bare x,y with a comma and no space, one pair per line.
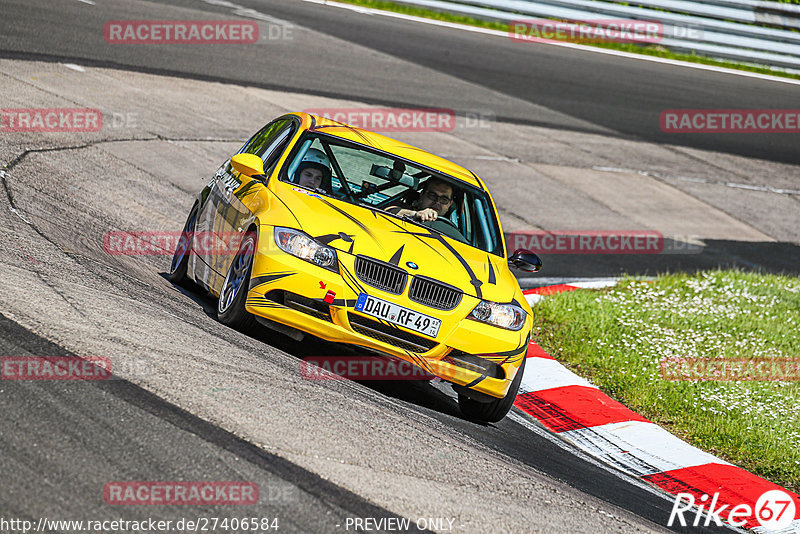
273,152
466,219
486,226
261,142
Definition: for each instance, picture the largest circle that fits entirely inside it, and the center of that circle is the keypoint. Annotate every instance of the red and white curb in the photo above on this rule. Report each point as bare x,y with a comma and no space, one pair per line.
535,295
578,412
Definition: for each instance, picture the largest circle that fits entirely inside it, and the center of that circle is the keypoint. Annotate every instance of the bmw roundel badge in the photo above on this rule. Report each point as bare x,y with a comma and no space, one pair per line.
412,265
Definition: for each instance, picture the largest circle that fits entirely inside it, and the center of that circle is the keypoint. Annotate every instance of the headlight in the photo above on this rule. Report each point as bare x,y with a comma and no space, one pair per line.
506,316
298,244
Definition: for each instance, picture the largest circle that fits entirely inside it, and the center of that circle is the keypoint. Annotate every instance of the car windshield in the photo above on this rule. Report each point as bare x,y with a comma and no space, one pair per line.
378,180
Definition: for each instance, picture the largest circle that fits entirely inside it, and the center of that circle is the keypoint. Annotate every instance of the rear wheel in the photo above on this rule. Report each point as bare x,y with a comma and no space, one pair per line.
493,410
232,296
180,260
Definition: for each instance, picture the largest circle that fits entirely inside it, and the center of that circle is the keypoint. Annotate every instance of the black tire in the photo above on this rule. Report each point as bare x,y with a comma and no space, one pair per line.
232,296
494,410
180,259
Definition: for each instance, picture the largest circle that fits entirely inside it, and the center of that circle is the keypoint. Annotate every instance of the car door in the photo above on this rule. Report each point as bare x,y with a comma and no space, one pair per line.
233,194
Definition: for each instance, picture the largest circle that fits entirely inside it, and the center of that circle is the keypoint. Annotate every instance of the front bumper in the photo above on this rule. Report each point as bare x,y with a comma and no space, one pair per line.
293,292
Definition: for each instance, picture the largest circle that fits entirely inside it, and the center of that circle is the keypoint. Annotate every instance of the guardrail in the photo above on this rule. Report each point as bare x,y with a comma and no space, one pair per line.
725,29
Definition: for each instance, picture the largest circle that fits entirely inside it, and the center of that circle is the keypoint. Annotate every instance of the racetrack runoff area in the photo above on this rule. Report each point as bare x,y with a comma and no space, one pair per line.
162,139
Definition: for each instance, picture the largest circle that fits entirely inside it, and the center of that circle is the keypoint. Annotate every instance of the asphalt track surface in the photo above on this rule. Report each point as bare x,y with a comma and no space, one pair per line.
600,93
56,434
336,53
65,443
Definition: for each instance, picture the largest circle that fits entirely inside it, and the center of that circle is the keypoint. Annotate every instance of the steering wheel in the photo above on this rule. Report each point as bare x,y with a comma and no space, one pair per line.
344,191
430,223
446,227
446,220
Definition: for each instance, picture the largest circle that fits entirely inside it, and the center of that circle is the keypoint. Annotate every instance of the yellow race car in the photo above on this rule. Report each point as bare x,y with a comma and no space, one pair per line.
350,236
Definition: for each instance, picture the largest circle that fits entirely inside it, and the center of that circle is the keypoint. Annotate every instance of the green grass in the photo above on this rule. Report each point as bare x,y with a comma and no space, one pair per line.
649,50
617,338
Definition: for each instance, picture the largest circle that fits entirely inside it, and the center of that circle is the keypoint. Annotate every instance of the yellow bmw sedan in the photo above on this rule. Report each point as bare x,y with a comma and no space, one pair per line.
356,238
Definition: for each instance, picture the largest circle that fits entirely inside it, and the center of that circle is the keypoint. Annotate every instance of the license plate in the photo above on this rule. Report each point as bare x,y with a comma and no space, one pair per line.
398,315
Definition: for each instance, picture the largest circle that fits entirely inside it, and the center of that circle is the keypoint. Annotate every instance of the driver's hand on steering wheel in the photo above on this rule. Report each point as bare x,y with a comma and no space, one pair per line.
428,214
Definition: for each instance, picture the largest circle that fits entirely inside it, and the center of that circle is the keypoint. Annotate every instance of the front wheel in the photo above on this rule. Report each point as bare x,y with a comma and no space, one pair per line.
494,410
232,296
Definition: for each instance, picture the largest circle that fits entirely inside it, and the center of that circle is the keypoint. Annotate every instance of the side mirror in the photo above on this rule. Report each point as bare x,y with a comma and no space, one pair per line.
525,260
248,164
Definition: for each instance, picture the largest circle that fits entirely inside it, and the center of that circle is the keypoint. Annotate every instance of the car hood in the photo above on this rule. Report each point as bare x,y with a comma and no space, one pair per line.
361,231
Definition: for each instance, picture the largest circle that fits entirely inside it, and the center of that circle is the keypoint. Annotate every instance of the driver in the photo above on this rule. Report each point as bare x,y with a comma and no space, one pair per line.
314,171
433,202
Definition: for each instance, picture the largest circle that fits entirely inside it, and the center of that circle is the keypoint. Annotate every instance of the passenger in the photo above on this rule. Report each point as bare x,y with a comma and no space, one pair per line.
314,171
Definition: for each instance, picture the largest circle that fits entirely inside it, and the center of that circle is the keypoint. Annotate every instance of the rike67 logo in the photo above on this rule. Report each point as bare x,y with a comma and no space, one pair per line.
774,510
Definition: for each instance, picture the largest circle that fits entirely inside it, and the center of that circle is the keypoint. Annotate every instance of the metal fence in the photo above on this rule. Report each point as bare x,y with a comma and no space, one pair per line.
746,31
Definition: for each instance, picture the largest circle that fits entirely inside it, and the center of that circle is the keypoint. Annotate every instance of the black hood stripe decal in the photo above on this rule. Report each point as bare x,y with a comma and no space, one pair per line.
472,278
476,283
329,238
395,260
404,231
351,281
353,219
289,210
364,138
